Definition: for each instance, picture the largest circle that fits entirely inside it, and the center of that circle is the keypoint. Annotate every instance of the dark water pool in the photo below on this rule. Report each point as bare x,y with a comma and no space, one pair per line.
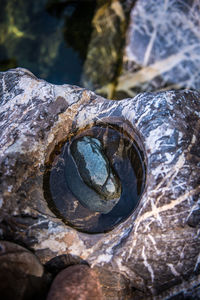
48,37
127,161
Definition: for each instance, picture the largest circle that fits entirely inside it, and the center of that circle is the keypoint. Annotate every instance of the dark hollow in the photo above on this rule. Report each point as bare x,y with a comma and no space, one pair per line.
126,159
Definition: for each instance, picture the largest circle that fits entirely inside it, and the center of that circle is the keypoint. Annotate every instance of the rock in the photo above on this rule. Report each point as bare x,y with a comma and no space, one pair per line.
105,48
152,254
74,283
60,262
21,274
95,170
162,48
79,204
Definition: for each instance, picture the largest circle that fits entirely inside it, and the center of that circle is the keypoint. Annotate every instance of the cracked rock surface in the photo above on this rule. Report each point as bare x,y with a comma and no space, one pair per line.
155,252
162,47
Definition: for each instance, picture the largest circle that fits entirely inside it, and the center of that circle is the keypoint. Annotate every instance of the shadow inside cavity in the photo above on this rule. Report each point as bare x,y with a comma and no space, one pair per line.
128,165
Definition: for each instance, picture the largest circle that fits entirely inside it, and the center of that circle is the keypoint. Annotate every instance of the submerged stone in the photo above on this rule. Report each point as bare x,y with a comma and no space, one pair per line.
95,184
94,167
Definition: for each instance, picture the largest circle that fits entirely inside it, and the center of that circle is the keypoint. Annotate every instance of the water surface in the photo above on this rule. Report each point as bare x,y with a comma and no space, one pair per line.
48,37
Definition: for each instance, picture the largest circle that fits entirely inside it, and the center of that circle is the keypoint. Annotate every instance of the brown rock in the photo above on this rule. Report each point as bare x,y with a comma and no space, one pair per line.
77,282
21,274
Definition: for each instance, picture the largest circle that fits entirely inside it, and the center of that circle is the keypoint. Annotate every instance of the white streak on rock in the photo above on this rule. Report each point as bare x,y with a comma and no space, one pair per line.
166,207
154,243
173,270
197,262
103,258
147,265
10,187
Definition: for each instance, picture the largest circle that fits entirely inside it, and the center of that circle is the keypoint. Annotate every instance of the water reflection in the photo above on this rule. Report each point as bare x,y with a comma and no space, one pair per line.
79,200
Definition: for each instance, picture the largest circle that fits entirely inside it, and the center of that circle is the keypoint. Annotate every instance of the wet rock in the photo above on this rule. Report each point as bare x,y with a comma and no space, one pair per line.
78,203
21,274
153,253
95,170
74,283
162,48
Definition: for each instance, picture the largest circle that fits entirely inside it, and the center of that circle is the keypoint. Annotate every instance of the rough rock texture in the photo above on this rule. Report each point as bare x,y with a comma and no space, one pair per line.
78,203
21,274
162,47
155,252
76,283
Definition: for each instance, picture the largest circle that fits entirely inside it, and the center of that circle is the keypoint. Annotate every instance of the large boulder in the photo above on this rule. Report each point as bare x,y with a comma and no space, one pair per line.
143,46
162,47
154,252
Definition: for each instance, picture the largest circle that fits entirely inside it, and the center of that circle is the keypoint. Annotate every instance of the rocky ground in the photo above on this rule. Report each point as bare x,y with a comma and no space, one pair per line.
155,251
127,228
161,48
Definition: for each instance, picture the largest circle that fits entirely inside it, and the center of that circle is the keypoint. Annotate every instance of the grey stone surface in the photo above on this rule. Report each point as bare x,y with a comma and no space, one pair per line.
95,170
155,252
162,47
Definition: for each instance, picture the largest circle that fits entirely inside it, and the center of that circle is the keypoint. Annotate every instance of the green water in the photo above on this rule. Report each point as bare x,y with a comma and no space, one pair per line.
48,37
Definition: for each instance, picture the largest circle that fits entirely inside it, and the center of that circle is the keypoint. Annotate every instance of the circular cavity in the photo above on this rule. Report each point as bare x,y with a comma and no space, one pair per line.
95,178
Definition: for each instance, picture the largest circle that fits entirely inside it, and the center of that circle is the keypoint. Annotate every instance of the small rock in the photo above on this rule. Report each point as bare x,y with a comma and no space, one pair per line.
94,167
77,282
61,262
21,274
102,188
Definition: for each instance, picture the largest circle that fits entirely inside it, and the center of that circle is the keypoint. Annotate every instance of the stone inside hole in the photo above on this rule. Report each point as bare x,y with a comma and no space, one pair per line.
96,185
97,179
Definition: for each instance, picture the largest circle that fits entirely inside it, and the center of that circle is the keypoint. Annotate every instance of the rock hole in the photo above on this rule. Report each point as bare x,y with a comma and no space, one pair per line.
96,179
